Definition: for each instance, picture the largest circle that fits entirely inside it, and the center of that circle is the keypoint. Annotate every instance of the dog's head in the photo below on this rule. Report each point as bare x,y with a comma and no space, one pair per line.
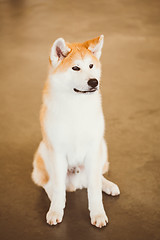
75,66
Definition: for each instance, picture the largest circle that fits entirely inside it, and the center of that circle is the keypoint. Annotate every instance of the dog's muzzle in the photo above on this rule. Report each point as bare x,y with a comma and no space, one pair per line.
92,83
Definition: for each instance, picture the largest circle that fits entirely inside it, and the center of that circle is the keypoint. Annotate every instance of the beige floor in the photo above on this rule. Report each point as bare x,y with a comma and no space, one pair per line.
131,90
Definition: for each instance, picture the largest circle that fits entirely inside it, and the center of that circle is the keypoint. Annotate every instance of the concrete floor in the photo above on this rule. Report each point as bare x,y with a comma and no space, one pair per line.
131,90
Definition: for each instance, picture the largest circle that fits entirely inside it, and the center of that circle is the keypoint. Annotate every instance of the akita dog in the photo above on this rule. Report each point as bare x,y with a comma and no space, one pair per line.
73,153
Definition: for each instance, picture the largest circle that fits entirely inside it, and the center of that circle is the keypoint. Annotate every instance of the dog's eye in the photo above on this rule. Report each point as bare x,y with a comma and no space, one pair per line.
75,68
91,65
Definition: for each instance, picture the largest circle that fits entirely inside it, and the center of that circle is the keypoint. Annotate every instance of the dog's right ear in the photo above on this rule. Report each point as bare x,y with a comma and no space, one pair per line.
59,51
95,46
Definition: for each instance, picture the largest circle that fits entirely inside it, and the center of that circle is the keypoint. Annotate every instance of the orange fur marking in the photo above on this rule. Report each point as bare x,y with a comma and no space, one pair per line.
42,119
46,88
78,50
40,170
50,60
92,42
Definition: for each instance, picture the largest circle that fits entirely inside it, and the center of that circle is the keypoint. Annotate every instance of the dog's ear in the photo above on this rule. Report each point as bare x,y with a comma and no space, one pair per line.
59,51
95,45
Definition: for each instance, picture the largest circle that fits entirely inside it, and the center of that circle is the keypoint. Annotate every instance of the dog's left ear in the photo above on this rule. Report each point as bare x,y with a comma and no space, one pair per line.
95,45
59,51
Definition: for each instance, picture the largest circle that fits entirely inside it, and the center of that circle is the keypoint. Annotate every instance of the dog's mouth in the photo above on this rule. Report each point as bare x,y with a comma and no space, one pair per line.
89,91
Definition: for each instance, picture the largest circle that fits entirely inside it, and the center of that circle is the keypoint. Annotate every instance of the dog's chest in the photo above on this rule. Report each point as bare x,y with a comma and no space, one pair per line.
73,126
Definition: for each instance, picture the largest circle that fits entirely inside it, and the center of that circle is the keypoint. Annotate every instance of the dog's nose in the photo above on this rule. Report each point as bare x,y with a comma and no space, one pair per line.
93,82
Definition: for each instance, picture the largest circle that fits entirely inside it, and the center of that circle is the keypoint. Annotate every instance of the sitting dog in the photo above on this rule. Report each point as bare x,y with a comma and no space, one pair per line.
73,153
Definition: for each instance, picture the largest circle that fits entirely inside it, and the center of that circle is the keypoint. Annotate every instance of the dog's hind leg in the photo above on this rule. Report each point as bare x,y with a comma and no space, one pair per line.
109,187
104,156
39,173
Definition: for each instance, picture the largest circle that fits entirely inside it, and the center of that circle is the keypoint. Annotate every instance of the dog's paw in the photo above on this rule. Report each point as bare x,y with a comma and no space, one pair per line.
111,188
99,220
54,217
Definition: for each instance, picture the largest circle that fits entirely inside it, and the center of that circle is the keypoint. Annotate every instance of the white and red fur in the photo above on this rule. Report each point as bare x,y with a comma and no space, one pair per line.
73,153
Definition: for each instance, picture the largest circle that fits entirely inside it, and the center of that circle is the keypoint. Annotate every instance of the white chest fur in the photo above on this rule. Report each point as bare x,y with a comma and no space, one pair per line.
74,124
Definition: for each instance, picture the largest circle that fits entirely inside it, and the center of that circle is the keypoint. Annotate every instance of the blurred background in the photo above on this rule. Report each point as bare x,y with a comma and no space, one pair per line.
130,90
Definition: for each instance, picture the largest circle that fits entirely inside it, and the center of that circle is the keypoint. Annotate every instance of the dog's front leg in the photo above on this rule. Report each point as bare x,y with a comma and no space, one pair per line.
95,204
58,178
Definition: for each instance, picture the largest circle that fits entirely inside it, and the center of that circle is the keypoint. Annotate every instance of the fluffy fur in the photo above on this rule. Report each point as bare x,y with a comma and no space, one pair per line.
73,153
